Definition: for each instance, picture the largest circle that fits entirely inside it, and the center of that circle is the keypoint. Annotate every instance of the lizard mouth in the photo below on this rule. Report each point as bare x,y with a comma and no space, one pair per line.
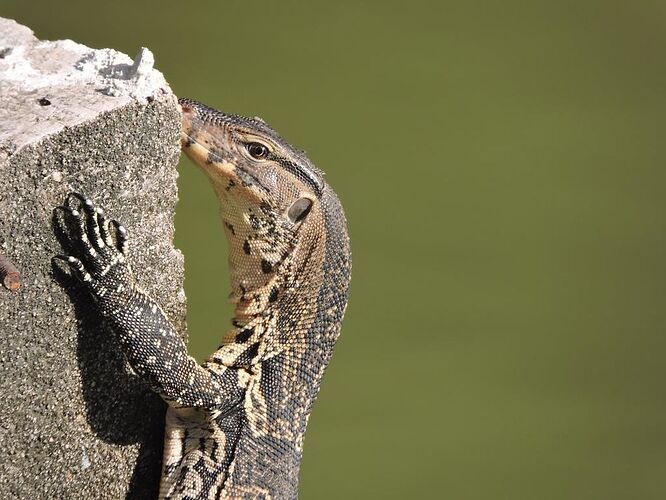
195,141
210,162
186,127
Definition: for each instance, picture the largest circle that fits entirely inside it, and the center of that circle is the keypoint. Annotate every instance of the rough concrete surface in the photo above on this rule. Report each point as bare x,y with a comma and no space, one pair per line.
74,421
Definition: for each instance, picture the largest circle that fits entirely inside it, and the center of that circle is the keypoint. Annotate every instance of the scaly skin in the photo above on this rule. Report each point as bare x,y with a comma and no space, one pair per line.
235,425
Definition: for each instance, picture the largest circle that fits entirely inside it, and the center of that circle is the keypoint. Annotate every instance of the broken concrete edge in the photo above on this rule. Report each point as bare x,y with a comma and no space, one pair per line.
74,422
43,69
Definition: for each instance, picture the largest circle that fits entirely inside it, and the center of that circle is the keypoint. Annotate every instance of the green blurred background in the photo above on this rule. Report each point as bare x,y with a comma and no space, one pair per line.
502,168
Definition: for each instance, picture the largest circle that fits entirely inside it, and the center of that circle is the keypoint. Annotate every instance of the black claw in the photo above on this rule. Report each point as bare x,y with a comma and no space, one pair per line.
121,236
60,209
74,196
59,260
60,218
103,225
89,207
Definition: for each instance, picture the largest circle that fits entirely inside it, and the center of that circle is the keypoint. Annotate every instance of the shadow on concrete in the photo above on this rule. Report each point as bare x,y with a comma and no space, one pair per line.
120,408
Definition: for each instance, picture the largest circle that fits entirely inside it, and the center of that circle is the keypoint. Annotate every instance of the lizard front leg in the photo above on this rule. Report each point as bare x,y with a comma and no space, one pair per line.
150,343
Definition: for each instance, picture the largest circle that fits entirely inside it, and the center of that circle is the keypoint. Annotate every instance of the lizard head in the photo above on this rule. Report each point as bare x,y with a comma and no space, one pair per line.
247,153
270,198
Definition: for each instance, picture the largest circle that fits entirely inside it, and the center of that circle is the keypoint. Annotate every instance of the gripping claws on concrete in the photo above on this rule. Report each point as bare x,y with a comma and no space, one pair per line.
99,245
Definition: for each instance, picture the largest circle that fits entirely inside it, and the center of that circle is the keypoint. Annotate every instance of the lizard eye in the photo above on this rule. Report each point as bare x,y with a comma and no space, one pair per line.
257,150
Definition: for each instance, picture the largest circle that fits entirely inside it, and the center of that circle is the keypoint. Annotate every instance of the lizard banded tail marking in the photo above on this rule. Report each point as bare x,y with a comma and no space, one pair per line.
235,424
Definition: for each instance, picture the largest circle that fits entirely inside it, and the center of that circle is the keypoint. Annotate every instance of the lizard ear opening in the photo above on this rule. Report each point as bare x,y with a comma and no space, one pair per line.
299,209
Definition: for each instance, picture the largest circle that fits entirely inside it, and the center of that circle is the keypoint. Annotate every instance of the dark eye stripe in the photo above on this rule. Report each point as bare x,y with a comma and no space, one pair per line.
304,174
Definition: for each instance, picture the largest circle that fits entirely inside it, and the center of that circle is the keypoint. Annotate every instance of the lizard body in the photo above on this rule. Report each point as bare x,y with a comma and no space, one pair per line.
235,424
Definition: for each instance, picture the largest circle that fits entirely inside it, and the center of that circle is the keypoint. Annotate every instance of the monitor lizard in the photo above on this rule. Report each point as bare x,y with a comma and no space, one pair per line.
234,424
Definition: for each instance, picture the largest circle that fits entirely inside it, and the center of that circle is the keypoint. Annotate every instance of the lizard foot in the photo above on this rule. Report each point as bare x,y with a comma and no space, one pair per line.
99,248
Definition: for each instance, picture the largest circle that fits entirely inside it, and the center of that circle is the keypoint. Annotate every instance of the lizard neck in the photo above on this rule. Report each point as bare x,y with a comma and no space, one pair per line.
258,246
272,267
285,384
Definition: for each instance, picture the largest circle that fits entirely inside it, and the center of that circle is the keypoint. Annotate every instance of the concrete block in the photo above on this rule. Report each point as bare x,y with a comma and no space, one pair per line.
74,421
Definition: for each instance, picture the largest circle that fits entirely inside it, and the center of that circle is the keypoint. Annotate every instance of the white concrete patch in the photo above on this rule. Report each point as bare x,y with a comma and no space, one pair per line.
73,82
